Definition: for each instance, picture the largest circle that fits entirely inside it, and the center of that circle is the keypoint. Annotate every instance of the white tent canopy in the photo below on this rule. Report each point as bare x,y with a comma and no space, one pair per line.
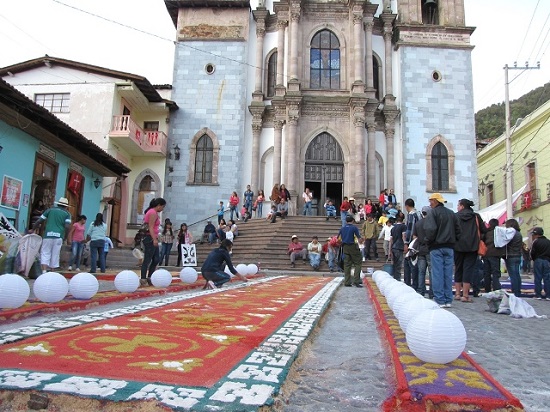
498,210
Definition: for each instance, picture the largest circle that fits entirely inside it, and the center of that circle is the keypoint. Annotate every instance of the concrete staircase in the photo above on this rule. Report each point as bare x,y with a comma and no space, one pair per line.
262,243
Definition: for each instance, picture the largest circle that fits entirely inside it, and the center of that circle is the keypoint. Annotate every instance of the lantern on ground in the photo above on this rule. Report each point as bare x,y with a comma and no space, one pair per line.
161,278
83,286
413,308
14,291
50,287
188,275
241,268
251,269
436,336
402,300
126,281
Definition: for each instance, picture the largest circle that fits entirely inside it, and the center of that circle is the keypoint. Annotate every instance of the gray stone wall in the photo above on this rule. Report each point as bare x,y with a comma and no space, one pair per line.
431,108
215,101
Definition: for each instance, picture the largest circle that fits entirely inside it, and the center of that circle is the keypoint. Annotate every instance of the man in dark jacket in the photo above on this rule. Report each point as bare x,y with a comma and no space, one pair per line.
213,267
423,255
442,231
540,253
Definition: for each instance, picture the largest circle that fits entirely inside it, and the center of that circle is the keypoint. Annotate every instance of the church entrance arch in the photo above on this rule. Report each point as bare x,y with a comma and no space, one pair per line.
324,172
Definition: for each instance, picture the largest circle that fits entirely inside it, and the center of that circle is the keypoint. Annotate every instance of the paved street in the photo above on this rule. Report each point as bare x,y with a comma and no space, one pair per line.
343,366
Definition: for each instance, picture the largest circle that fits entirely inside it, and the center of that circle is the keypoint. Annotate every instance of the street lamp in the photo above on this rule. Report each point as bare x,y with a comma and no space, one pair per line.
481,188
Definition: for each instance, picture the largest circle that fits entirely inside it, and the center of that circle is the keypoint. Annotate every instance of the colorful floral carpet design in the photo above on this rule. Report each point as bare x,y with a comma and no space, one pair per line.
226,348
460,385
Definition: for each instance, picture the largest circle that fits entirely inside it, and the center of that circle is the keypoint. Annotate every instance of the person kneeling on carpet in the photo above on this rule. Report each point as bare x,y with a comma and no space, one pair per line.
213,267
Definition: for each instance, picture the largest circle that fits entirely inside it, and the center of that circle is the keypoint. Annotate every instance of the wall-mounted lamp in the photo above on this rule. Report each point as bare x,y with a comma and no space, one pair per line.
169,184
481,187
176,152
170,169
97,182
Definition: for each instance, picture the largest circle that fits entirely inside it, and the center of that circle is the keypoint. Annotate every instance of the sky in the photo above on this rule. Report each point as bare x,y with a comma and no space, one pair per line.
506,31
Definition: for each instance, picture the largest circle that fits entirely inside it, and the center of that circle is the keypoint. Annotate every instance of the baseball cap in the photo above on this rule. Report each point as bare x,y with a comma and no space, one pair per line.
294,237
438,197
538,231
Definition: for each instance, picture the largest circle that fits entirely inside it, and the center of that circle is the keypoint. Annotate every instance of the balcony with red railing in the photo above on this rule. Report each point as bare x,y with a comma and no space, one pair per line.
136,141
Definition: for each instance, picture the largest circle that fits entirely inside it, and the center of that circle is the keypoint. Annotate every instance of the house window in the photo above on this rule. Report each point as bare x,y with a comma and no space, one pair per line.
54,102
271,75
325,61
203,160
151,126
440,167
490,192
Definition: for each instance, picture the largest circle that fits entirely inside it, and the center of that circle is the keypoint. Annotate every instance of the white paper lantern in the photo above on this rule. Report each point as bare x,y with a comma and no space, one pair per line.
126,281
251,269
381,277
436,336
50,287
402,300
188,275
161,278
385,284
14,291
413,308
83,285
397,290
241,268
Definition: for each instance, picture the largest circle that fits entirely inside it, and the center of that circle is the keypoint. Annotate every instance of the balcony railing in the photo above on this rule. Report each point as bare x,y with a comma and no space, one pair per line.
136,140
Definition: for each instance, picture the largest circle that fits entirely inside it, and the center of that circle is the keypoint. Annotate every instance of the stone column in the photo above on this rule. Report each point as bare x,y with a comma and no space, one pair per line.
371,157
368,56
358,40
359,149
255,172
390,133
292,173
388,32
281,25
277,148
294,27
260,35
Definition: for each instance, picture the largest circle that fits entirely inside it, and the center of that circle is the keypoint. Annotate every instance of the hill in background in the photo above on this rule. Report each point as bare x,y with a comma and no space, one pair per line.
490,122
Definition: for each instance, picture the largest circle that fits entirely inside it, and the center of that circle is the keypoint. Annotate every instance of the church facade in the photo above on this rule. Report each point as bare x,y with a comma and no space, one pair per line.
346,98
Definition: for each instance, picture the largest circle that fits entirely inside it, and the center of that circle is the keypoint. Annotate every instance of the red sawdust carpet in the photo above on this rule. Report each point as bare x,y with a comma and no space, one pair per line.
461,385
193,342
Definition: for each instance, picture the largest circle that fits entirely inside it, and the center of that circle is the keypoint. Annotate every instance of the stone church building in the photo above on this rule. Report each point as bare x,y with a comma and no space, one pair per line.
345,97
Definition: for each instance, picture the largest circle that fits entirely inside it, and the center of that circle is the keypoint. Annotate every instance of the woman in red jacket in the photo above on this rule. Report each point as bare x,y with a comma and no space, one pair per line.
233,205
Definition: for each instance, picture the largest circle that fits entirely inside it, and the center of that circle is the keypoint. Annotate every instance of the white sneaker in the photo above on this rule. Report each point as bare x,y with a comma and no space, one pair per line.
70,268
77,269
363,259
211,285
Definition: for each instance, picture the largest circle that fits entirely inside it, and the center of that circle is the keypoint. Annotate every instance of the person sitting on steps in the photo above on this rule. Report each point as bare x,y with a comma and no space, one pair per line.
295,248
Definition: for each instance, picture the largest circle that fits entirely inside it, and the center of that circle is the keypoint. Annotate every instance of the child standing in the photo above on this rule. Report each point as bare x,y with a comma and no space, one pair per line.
220,212
385,234
108,245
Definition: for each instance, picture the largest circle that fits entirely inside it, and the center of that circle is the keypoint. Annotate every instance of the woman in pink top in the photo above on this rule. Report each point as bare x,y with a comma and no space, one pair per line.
151,239
77,241
233,203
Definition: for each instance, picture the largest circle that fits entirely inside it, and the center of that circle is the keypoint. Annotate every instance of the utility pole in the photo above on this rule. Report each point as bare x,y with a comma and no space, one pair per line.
509,194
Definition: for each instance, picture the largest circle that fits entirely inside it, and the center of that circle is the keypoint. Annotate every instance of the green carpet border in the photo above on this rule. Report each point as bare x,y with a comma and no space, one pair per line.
251,384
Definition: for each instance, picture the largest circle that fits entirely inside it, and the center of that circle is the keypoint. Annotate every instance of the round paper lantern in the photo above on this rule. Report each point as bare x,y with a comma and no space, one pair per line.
385,284
50,287
396,290
241,268
14,291
161,278
251,269
402,300
436,336
378,275
188,275
126,281
83,285
413,308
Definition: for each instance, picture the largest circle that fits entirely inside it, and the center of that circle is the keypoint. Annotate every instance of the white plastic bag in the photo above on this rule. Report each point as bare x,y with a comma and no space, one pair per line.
519,308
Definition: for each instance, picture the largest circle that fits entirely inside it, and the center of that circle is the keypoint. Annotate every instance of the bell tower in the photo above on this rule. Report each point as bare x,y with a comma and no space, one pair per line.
435,86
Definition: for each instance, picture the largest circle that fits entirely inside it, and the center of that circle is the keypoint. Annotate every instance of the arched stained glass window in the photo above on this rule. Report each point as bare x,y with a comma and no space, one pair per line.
325,61
203,160
440,167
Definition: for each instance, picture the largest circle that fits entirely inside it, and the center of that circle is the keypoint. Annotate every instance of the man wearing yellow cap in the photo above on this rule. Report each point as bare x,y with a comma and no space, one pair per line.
442,231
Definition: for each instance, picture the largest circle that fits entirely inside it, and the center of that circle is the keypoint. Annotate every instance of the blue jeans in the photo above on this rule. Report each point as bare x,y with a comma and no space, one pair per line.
491,273
76,248
219,277
542,273
97,247
233,209
410,272
512,266
331,255
314,260
259,209
307,209
150,257
422,266
397,259
442,262
165,249
248,206
343,215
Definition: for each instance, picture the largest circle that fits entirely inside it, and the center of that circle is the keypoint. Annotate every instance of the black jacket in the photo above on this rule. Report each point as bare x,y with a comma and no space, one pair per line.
216,261
420,233
489,239
515,246
441,228
469,238
541,249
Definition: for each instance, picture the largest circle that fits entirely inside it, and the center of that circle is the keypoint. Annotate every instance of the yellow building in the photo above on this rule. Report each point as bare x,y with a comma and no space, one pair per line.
530,148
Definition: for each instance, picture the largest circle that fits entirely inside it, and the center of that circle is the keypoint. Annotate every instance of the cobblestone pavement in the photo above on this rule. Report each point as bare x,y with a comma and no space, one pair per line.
343,366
